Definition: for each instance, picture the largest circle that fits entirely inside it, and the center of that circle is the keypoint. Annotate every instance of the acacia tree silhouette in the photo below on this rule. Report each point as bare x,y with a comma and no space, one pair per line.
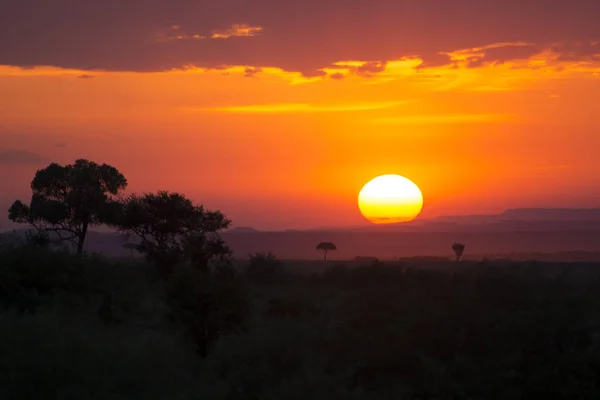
325,247
459,249
173,230
68,199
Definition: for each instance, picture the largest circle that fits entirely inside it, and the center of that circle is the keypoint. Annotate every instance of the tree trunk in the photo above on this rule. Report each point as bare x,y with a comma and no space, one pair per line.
81,239
325,256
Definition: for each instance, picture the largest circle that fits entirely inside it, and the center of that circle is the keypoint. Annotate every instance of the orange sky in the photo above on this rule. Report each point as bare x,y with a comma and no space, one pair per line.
274,148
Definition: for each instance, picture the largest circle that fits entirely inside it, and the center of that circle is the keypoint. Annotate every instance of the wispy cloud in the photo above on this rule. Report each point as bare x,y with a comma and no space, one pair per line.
237,30
480,52
175,32
442,119
294,108
21,157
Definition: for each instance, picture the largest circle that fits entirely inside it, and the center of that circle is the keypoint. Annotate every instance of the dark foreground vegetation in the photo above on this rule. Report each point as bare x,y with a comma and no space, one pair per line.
94,328
188,321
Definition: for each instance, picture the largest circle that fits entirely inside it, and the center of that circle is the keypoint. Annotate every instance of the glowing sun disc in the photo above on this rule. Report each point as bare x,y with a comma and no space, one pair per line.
390,199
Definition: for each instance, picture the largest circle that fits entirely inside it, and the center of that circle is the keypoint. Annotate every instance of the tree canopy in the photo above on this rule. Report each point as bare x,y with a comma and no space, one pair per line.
172,229
458,249
68,199
325,247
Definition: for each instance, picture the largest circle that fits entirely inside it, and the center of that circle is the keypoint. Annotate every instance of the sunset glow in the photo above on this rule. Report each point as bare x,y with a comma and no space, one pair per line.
265,119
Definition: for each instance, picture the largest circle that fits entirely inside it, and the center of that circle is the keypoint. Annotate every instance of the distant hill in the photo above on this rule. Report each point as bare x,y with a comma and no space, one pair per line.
514,231
528,219
529,215
242,229
553,214
574,245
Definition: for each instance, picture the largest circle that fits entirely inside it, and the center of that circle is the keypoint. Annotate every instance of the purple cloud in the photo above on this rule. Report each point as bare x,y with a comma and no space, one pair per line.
297,36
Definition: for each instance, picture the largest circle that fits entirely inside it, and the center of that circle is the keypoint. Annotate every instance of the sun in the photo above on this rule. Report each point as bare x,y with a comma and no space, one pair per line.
390,199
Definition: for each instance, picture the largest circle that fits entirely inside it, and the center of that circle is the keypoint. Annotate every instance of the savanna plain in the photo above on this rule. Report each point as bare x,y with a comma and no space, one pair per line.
182,316
93,327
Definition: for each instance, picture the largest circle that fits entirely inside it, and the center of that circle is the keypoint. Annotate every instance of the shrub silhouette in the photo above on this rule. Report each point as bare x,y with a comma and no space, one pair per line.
336,274
325,247
68,200
28,275
264,268
209,307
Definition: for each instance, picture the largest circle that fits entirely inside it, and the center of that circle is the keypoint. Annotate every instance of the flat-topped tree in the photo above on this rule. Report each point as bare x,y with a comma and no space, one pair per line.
173,230
459,249
325,247
68,199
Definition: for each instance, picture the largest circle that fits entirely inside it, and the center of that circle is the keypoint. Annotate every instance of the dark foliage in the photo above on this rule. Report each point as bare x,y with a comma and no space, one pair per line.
326,247
469,335
95,328
458,249
292,307
69,199
30,274
265,268
172,230
37,239
208,306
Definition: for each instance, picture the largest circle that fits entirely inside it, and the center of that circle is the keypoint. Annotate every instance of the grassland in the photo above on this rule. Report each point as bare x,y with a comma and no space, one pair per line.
101,328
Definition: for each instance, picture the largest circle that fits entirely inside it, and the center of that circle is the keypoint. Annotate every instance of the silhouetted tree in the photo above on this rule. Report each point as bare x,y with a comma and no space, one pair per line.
174,230
459,249
325,247
68,199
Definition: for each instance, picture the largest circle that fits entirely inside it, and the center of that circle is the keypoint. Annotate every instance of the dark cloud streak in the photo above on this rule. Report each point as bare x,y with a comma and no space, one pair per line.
21,157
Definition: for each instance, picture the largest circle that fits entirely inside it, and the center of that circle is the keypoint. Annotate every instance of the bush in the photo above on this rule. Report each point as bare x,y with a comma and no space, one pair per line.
52,356
337,273
461,336
96,328
30,274
292,306
209,307
265,268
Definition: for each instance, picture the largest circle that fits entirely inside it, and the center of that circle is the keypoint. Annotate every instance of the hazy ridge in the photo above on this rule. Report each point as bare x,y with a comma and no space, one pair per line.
574,245
548,234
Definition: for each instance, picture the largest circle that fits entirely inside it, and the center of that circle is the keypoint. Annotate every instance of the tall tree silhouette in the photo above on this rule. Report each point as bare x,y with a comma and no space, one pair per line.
68,199
325,247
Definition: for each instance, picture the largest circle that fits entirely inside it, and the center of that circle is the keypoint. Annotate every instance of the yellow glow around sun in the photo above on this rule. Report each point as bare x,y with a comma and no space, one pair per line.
389,199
